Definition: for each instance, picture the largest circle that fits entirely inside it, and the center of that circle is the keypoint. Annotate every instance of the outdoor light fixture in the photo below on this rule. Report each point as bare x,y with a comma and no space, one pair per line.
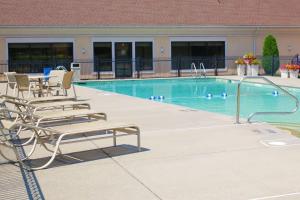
290,48
162,50
83,50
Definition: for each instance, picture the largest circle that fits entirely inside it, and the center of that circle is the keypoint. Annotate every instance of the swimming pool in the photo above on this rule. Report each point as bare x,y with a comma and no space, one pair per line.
209,94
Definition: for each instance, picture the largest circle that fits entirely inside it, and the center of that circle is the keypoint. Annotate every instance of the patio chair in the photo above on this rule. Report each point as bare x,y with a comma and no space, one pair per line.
57,136
24,85
55,80
11,82
67,83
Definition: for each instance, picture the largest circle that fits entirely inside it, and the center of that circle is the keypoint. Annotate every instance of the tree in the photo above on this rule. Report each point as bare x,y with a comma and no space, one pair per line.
270,61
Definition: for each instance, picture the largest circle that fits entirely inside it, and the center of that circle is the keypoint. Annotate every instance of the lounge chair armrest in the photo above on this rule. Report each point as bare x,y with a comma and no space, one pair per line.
27,106
19,113
12,97
37,128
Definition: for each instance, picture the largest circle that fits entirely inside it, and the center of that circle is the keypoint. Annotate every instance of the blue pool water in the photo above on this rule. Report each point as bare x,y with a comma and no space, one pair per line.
193,93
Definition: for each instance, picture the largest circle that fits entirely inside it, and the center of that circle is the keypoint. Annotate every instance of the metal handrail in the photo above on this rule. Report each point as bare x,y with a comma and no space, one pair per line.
204,70
262,113
61,67
193,67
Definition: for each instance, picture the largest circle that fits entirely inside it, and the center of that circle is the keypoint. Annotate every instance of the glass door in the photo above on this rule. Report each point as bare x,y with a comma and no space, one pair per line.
123,57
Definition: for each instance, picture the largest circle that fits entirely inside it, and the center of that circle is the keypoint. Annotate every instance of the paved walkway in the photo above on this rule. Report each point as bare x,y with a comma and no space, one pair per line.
187,154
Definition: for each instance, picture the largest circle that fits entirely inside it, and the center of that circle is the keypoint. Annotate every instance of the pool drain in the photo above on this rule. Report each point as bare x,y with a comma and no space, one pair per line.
277,143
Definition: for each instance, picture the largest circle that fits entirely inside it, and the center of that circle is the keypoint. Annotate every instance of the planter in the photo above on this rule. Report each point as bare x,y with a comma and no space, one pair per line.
284,73
254,70
249,72
241,69
294,73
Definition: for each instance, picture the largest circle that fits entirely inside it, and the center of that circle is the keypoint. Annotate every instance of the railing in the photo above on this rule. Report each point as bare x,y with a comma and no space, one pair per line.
262,113
99,68
203,73
194,69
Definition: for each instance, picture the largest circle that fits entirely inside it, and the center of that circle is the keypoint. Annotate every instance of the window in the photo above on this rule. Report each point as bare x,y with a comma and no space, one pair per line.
210,53
33,57
144,56
102,56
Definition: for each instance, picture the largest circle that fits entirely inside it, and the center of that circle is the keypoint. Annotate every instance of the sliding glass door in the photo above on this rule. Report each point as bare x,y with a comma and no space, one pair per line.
123,59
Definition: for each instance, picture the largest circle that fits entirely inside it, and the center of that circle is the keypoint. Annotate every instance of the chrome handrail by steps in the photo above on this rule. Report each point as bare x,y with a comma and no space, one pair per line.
262,113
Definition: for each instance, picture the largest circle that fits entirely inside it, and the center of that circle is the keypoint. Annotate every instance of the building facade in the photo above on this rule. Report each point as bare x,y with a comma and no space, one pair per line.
129,39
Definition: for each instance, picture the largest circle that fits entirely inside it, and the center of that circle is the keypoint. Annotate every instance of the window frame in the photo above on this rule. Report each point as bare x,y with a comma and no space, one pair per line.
199,39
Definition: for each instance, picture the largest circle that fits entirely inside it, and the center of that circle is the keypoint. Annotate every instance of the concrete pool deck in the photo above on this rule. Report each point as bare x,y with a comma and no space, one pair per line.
289,82
187,154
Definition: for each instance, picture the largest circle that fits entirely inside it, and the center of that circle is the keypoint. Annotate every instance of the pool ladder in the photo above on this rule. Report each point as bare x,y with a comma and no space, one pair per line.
195,70
263,113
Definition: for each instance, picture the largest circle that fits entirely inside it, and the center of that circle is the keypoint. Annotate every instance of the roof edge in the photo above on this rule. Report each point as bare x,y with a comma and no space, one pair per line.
149,26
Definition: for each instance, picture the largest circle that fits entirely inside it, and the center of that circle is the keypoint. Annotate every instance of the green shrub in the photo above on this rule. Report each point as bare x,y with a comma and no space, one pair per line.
270,55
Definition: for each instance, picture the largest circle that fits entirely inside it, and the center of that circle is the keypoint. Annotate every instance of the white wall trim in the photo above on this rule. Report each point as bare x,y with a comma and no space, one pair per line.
195,39
38,40
122,39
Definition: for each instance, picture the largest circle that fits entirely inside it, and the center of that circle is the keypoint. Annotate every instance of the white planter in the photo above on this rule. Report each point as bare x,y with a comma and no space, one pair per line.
284,73
254,70
249,72
294,73
241,69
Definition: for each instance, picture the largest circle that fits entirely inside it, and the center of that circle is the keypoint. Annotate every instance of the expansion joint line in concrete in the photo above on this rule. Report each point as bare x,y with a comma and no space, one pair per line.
127,171
132,175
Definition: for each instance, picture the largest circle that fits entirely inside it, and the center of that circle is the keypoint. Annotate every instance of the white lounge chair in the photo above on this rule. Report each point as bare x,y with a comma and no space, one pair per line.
59,135
48,105
54,116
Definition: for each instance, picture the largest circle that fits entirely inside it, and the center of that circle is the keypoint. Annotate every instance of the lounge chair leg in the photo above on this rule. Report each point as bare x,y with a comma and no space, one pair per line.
6,89
14,90
28,141
138,139
31,151
53,155
114,138
74,91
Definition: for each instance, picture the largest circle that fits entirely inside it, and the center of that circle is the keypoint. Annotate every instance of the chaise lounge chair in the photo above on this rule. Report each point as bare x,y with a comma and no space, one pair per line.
56,116
49,105
58,136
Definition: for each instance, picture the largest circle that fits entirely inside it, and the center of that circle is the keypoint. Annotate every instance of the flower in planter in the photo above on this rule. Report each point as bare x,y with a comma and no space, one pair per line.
255,62
292,67
283,67
240,61
289,67
249,58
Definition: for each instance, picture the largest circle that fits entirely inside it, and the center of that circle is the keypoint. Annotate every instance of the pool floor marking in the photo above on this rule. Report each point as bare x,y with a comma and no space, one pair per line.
277,196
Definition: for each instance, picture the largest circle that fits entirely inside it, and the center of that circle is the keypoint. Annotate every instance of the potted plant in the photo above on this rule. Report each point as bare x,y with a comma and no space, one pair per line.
241,67
254,67
293,70
284,71
252,64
